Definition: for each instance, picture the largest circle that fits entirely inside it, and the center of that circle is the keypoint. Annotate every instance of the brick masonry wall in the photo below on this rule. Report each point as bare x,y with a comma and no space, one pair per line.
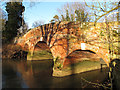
65,37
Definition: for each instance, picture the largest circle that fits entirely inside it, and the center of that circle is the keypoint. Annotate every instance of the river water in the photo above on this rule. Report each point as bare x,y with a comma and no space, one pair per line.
38,74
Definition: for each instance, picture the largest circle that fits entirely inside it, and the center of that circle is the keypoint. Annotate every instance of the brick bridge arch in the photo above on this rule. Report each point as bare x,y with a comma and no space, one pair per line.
63,38
26,47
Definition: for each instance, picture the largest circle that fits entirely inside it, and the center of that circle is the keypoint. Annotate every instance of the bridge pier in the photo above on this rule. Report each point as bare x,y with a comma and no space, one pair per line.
30,55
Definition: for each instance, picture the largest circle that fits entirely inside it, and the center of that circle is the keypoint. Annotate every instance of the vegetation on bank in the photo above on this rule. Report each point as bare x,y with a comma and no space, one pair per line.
12,51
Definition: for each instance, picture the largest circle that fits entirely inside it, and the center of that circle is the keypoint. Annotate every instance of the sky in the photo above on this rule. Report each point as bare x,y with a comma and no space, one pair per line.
42,11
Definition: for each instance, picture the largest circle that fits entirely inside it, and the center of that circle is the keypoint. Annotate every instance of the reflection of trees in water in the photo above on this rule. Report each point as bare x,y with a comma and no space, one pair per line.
10,76
34,73
37,74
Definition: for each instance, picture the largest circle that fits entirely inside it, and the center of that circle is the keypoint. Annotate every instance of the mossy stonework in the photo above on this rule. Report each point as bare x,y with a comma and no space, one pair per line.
76,68
40,55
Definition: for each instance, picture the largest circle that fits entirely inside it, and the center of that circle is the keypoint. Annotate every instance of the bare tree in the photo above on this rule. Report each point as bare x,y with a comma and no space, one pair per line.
37,23
71,12
3,18
100,9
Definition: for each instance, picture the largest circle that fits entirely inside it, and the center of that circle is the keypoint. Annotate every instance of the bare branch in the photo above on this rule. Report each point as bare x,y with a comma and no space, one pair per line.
106,13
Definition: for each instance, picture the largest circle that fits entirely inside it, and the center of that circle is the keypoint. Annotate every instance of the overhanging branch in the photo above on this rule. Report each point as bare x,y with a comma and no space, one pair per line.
106,13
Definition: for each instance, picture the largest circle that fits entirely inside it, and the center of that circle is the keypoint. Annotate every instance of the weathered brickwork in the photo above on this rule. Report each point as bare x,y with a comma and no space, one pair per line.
65,37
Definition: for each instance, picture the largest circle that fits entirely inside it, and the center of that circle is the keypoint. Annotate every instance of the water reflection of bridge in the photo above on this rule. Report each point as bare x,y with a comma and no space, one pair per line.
37,74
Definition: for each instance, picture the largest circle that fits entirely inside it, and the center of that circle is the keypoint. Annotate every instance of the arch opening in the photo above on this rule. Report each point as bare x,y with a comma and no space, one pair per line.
26,48
81,61
41,51
82,55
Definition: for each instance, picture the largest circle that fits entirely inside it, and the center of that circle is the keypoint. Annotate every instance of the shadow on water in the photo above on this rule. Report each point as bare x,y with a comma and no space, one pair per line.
11,78
115,65
24,74
86,78
41,73
38,74
76,81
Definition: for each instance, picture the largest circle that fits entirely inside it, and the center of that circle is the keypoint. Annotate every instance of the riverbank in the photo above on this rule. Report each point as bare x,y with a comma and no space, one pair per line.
12,51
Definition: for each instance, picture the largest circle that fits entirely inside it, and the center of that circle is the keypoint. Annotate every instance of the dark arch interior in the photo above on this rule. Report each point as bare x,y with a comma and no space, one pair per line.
85,51
82,55
26,48
41,45
42,51
42,59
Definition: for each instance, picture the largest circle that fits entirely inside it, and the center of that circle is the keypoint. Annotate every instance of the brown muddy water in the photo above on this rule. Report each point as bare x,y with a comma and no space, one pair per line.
38,74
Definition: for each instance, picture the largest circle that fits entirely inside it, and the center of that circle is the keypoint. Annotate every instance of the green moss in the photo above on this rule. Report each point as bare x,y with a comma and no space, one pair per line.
84,66
38,55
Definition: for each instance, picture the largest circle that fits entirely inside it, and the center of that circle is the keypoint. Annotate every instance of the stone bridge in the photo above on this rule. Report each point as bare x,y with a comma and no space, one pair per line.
63,38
